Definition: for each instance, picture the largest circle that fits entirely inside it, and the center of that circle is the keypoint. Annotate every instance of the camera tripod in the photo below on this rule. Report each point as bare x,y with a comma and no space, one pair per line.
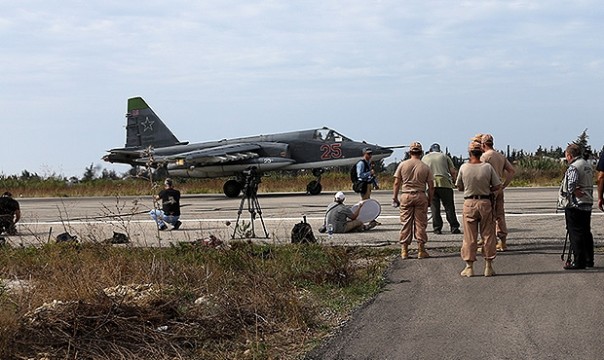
250,191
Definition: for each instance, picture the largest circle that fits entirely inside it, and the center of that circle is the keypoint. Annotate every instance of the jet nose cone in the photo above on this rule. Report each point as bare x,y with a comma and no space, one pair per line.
381,152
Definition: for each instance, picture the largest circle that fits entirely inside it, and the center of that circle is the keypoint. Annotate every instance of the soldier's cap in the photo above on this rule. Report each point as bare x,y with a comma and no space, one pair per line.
435,147
340,196
415,146
168,182
475,146
477,138
487,139
367,150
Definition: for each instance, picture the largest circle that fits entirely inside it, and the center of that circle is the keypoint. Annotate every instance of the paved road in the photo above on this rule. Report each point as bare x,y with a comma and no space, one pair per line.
532,309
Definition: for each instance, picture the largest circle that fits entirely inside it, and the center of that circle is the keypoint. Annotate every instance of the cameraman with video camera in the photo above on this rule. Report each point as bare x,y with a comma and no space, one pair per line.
576,197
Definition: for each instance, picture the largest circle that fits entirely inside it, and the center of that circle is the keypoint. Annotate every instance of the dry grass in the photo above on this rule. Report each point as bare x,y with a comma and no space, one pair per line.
331,181
90,301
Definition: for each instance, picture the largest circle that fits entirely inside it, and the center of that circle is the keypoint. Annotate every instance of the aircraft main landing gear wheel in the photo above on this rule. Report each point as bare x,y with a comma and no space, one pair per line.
314,187
232,188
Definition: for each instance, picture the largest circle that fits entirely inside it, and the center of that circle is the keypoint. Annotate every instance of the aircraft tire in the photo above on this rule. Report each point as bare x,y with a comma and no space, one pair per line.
232,188
314,187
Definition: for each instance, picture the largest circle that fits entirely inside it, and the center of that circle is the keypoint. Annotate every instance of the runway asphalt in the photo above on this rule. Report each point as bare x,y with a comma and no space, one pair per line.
531,216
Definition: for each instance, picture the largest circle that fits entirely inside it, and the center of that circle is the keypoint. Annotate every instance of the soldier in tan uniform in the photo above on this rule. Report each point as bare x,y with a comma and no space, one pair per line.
412,177
505,171
478,181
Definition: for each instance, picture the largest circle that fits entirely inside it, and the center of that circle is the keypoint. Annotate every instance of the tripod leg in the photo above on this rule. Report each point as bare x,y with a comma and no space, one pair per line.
238,216
261,219
252,210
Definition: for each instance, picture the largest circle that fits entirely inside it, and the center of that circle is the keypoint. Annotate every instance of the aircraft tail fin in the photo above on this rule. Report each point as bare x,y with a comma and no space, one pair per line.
144,128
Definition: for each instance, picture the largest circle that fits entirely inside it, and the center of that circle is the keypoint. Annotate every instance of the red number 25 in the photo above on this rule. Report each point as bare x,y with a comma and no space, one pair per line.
331,151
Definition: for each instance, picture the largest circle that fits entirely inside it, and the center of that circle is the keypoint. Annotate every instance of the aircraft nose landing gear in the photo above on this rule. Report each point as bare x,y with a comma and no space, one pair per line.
314,187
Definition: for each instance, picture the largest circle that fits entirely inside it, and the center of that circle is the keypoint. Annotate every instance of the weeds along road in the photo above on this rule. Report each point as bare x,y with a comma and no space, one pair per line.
532,309
531,216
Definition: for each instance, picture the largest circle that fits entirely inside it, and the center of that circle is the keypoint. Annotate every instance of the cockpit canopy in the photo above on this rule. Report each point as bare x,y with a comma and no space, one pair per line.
327,134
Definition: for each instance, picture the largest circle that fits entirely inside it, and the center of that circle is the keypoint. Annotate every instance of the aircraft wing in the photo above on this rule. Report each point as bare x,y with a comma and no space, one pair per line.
214,155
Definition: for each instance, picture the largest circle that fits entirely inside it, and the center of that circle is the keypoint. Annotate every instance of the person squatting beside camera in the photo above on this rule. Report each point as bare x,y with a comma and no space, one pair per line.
412,177
478,181
170,211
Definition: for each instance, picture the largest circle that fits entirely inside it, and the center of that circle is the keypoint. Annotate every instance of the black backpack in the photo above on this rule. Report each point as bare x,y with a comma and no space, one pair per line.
302,233
66,237
354,177
357,186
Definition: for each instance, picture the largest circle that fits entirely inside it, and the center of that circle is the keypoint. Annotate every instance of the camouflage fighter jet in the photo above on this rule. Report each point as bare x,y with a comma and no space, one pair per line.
149,142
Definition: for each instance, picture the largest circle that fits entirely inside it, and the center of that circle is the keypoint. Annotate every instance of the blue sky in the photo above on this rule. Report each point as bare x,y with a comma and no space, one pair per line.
388,72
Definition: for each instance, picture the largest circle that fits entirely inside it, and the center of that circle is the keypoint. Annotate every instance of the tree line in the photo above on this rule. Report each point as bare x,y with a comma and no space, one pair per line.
541,159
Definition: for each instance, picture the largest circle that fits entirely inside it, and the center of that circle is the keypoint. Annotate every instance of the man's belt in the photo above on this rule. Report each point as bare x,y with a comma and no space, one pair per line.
476,197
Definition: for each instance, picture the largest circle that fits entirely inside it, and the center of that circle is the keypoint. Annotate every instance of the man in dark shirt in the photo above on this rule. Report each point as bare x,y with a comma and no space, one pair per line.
170,212
10,214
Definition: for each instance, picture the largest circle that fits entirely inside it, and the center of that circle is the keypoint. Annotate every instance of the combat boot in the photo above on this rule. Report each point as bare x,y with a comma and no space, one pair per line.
488,268
405,251
421,251
501,246
468,271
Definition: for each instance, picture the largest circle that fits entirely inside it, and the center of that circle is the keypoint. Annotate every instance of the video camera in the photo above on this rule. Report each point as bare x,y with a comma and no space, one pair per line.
252,180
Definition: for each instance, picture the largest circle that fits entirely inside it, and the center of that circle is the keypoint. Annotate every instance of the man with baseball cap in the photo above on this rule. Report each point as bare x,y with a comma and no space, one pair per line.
478,181
170,211
365,175
445,174
576,197
505,171
412,177
341,216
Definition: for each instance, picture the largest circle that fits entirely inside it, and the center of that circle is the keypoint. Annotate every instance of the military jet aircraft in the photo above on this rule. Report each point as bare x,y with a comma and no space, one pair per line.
149,142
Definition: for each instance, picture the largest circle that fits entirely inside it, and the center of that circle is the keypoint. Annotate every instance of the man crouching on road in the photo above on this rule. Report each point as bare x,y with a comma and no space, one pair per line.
478,181
170,212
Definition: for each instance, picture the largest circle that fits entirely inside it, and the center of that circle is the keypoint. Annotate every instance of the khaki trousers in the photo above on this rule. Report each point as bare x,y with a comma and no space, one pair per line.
501,228
478,215
367,194
414,217
353,225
